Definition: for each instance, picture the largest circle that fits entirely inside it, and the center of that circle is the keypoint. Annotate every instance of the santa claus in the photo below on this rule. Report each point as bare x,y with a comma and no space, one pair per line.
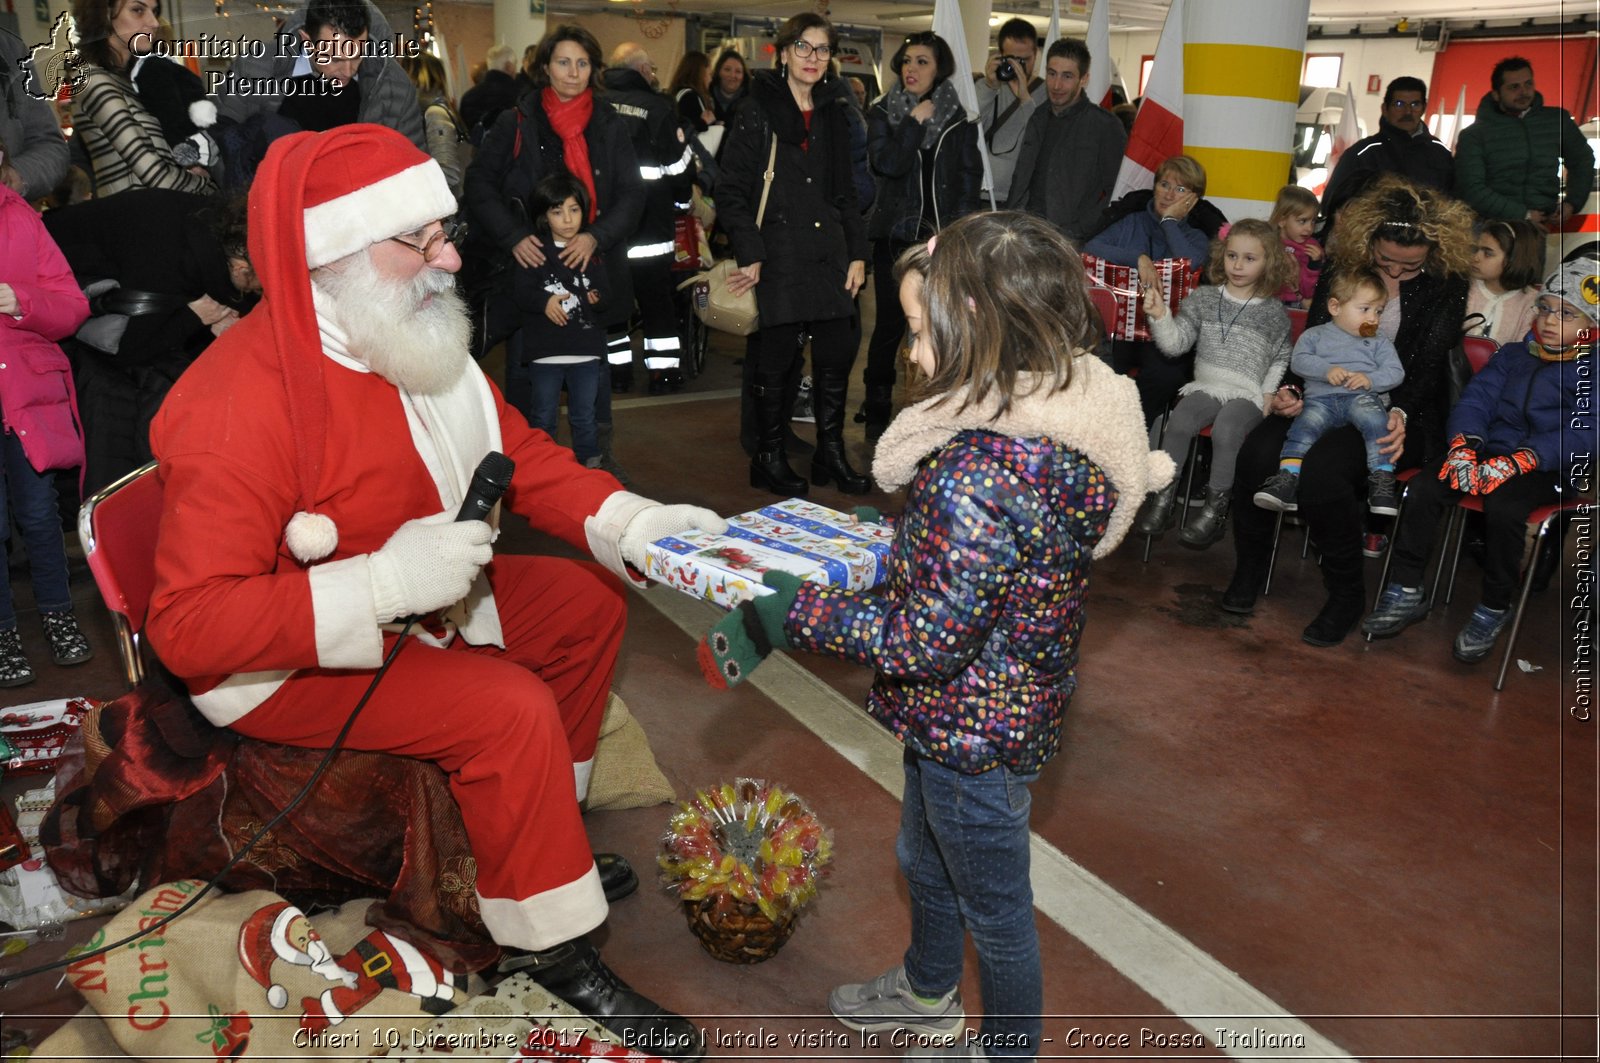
312,462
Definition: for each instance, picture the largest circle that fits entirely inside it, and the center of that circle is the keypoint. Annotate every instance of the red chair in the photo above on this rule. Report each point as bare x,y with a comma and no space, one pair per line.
1106,304
1478,349
117,526
1297,324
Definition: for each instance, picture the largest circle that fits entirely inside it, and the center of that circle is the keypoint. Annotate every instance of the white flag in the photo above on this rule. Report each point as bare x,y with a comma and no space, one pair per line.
1052,33
1099,42
1346,132
947,24
1461,112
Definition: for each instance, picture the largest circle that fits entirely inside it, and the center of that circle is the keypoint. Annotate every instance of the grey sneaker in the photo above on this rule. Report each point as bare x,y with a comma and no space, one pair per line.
1383,494
1398,608
1482,631
1279,491
887,1003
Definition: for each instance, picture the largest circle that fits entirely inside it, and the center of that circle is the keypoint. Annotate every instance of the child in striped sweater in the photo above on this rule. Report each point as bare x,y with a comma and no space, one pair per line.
1240,334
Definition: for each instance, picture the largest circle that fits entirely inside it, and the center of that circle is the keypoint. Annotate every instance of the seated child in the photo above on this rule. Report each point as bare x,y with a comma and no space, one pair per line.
1506,259
1295,215
564,338
1240,336
1347,367
1507,447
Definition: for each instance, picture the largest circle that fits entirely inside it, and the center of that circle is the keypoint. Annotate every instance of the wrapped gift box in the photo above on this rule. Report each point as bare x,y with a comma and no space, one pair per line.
1177,281
800,537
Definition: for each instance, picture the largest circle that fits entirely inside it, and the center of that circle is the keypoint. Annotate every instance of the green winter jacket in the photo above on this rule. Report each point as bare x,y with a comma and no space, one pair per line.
1507,166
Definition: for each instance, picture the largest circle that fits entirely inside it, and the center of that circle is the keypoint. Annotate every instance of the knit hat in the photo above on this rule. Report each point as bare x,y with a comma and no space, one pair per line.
316,198
1578,283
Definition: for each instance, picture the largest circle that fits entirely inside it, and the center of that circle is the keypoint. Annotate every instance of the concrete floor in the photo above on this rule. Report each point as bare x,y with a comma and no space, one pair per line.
1363,849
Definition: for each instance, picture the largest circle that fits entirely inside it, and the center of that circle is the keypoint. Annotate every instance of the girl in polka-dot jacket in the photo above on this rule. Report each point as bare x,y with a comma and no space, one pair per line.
1019,461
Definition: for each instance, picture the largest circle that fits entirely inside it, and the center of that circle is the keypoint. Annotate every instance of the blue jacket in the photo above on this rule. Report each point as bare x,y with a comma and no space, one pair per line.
1519,401
1142,233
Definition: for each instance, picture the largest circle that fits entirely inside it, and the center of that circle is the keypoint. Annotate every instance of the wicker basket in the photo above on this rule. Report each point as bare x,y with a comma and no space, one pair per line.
736,931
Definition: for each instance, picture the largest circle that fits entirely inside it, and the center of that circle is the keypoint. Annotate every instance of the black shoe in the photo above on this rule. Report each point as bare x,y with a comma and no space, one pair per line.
770,470
616,876
621,378
1337,619
663,381
1240,597
574,972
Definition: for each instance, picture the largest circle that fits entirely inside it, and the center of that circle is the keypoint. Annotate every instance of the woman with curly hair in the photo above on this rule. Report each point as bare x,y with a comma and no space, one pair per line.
1419,240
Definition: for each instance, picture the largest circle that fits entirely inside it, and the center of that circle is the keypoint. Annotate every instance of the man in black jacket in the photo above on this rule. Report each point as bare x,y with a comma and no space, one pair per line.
665,160
1401,145
497,91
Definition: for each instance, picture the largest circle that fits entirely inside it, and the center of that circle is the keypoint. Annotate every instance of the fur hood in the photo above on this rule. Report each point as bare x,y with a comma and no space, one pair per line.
1098,415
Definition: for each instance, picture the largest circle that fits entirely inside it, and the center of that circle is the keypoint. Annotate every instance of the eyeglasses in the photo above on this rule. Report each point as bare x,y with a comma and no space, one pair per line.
805,50
1168,186
1409,105
1564,313
453,233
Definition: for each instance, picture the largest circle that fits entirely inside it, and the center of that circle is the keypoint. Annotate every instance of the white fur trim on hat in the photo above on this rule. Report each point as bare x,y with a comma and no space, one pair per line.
311,536
277,996
203,113
400,203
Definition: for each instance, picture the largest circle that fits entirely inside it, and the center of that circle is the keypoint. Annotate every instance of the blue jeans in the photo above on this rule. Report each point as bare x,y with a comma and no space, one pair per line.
582,379
963,848
29,498
1324,413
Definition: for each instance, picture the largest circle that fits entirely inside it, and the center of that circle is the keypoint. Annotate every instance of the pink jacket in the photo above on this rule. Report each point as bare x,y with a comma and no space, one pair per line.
37,401
1305,283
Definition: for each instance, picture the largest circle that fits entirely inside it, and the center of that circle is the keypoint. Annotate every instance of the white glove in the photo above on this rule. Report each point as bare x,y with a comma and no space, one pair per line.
657,521
427,564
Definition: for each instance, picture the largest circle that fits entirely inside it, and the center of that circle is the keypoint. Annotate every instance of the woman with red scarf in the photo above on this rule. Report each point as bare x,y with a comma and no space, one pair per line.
559,123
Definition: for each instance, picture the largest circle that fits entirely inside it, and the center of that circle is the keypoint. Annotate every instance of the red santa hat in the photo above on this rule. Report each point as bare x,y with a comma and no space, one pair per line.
316,198
262,939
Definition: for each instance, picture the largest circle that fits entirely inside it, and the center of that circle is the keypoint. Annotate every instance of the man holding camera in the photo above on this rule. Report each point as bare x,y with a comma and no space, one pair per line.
1007,96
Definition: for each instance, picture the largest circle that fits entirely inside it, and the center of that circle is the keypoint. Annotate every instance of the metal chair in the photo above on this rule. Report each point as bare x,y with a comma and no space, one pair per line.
117,526
1297,325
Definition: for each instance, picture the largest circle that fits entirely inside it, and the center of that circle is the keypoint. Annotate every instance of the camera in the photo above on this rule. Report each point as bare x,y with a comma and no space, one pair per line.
1006,69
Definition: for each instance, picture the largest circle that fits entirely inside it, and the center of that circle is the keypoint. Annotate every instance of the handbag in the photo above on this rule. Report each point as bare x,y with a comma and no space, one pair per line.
714,304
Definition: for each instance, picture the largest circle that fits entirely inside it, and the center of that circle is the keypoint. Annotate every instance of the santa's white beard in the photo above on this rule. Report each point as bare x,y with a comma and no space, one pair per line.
396,330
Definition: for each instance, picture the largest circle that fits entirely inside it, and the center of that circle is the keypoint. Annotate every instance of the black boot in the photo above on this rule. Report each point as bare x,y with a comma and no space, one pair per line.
574,972
748,418
877,411
769,468
831,462
1337,529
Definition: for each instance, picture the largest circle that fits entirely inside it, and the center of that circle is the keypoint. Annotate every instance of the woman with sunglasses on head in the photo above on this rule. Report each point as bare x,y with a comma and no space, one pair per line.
1419,241
924,150
806,256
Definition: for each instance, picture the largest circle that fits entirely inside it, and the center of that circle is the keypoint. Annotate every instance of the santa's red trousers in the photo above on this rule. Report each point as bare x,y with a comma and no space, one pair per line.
507,726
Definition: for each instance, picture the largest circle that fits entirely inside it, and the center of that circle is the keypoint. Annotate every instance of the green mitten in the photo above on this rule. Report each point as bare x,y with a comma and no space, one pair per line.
742,639
868,515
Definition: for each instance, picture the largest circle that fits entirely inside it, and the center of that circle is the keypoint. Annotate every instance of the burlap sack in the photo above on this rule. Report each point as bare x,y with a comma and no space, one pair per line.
248,975
625,772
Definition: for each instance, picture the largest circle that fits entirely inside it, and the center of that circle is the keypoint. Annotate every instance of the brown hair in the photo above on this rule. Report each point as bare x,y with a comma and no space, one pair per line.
1006,295
1346,286
692,69
1410,215
1524,250
1292,200
547,50
1280,269
93,21
427,73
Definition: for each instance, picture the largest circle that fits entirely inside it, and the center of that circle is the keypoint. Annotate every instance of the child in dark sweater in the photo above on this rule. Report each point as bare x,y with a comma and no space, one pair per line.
564,338
1521,438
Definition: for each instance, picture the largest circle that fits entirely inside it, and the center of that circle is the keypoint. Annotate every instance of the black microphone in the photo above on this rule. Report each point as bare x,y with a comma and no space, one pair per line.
489,482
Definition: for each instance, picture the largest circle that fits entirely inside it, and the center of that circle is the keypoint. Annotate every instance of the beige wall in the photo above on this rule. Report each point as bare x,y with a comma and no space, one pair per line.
470,28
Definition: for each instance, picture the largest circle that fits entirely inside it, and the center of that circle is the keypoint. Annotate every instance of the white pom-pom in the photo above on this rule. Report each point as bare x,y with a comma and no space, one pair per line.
311,536
203,113
277,996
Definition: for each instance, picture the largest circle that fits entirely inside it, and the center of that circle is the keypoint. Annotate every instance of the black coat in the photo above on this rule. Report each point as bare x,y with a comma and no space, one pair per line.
1421,158
484,101
813,228
897,160
660,145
